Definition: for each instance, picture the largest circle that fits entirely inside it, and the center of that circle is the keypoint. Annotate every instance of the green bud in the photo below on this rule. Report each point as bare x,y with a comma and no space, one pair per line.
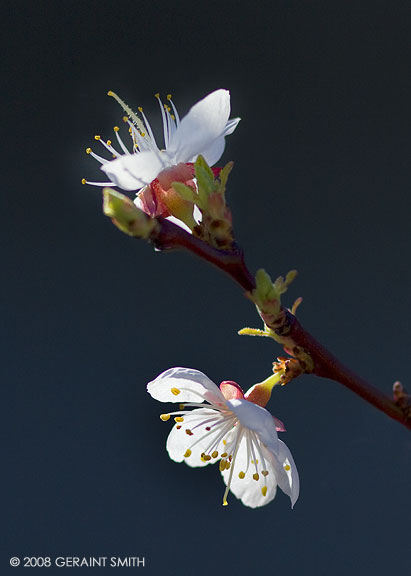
264,285
126,216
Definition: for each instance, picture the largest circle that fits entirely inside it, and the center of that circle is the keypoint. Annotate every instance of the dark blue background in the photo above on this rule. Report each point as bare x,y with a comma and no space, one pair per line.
321,183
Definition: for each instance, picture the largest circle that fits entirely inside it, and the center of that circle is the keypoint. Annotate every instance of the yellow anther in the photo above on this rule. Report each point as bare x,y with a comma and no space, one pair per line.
287,467
110,93
116,128
143,134
222,465
207,457
83,181
165,106
181,406
264,472
227,465
189,432
224,455
175,391
224,442
179,419
125,118
241,475
173,117
164,417
169,96
157,95
108,142
264,490
187,453
225,503
214,454
88,150
140,109
256,476
178,427
97,137
252,462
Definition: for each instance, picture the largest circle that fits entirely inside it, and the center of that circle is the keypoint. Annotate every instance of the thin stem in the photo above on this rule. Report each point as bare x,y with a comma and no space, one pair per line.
172,237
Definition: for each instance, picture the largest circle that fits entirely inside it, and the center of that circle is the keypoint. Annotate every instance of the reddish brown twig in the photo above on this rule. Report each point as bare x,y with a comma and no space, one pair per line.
168,236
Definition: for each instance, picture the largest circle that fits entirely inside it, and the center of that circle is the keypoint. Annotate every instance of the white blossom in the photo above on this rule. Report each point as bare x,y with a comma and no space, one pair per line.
201,131
219,424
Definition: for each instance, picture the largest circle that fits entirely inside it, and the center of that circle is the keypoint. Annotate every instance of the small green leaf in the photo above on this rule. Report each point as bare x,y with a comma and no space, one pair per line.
223,176
205,182
201,162
184,191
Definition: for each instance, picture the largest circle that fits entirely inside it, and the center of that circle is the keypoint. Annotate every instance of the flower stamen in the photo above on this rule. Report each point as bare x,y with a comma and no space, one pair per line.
236,446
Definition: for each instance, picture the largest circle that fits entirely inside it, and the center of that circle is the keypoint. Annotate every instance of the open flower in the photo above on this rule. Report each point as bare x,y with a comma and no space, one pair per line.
224,426
149,169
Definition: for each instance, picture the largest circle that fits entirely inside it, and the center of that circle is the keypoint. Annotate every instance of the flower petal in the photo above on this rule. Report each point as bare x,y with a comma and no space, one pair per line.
204,123
231,390
231,126
178,441
286,472
213,153
247,489
133,171
184,385
258,419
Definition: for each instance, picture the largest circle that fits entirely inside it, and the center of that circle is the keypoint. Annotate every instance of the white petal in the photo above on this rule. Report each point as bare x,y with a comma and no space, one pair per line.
214,152
133,171
204,123
247,489
192,386
286,472
231,126
179,441
258,419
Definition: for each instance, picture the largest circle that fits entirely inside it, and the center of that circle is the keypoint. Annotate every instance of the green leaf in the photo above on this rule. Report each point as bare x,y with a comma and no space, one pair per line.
201,162
184,191
205,183
223,176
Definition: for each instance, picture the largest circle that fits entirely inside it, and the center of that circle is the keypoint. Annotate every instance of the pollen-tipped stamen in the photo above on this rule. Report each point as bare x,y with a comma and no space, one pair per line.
236,446
163,116
120,141
174,109
127,110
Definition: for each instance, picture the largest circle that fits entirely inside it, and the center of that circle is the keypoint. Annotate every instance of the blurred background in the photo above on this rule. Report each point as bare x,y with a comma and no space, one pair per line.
321,183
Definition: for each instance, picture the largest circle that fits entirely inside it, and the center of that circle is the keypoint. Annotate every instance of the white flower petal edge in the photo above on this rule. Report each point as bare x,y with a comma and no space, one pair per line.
204,123
240,435
201,131
133,171
184,385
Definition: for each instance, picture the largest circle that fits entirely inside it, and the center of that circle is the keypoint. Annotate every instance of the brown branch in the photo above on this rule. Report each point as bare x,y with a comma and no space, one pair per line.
168,236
